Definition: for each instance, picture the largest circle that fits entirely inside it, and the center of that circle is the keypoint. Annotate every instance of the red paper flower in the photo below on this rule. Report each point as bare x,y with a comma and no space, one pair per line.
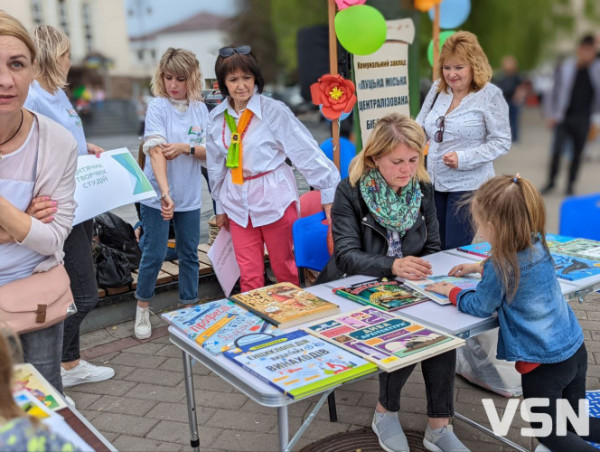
335,93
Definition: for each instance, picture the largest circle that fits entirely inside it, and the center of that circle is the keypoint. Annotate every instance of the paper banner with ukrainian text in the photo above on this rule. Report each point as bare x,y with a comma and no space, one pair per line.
113,180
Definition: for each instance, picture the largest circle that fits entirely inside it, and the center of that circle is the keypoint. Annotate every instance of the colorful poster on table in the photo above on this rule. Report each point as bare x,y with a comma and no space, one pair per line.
381,78
113,180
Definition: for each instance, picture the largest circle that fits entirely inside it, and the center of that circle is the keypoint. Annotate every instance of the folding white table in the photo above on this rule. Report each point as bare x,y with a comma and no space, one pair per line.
446,318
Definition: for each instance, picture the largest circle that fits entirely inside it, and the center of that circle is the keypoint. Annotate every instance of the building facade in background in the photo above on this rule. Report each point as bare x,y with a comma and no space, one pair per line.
99,38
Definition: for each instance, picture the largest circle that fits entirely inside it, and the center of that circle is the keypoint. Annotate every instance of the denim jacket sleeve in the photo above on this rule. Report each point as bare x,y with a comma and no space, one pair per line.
486,298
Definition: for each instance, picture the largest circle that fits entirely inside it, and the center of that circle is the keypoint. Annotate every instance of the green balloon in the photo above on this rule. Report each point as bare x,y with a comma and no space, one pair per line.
360,29
443,36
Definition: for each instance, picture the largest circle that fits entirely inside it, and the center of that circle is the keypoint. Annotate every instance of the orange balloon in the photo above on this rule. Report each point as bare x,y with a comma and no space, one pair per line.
426,5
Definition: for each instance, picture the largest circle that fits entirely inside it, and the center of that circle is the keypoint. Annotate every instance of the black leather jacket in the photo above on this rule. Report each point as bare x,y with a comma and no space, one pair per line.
360,242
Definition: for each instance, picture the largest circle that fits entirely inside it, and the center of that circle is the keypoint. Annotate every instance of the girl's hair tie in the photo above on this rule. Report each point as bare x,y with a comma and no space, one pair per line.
516,178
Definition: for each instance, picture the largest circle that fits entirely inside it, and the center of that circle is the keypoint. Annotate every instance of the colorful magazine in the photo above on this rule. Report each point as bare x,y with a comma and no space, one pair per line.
285,305
466,282
383,293
27,377
220,325
384,338
299,364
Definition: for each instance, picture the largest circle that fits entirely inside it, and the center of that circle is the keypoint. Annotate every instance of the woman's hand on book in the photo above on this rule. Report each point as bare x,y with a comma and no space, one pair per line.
465,269
411,267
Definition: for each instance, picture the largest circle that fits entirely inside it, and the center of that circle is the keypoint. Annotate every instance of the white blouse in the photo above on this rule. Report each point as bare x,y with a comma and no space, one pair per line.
273,135
478,131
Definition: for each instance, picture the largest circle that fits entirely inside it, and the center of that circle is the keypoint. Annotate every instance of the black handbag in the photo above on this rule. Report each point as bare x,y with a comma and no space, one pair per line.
116,233
112,266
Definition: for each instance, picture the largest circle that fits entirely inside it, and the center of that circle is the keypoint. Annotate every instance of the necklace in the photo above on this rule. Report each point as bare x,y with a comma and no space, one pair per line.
13,135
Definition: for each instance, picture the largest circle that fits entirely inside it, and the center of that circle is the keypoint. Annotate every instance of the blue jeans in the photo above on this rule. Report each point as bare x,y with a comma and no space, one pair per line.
454,219
43,349
171,252
156,233
438,373
79,264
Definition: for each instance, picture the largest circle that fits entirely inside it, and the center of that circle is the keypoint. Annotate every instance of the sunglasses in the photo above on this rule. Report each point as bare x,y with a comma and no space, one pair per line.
438,136
228,51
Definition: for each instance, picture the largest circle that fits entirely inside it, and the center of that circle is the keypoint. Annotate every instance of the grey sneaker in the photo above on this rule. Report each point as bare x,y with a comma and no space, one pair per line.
443,441
142,328
389,432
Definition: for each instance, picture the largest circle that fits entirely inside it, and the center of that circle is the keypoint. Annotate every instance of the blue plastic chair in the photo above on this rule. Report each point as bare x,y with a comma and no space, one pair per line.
580,217
347,153
310,248
310,243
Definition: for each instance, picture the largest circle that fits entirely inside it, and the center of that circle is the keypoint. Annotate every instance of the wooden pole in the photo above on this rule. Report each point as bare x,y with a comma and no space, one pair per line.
333,69
436,39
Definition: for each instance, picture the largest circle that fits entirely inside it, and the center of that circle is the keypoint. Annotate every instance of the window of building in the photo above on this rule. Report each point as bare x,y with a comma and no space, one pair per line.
63,18
37,13
86,13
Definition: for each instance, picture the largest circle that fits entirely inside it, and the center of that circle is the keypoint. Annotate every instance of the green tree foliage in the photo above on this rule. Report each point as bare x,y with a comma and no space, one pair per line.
254,26
525,29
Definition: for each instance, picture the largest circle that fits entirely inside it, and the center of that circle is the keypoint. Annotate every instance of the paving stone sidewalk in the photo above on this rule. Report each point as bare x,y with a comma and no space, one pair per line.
143,407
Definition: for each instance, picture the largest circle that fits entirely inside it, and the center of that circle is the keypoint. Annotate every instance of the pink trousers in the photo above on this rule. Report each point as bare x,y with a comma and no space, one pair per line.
249,244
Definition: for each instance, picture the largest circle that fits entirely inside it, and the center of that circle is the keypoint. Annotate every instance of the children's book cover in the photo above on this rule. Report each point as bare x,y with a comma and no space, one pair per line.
482,249
580,248
27,377
220,325
574,268
466,282
385,338
383,293
299,364
285,305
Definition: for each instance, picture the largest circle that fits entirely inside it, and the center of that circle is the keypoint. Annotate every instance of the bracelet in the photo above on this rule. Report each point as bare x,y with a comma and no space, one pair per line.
164,196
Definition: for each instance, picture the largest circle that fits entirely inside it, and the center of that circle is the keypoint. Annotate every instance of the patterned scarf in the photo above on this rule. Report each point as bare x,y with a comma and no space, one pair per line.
395,211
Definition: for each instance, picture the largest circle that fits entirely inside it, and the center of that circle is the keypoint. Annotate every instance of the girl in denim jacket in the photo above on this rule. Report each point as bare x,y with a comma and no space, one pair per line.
538,329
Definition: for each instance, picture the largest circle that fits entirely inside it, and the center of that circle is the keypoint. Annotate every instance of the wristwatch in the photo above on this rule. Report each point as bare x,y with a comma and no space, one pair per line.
192,150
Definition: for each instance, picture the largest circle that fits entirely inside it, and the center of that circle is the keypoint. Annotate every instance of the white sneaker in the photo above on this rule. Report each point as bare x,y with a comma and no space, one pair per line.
85,372
142,328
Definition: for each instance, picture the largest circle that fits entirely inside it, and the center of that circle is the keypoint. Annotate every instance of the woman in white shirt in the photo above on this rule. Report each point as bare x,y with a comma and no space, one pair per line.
250,138
47,96
175,141
466,120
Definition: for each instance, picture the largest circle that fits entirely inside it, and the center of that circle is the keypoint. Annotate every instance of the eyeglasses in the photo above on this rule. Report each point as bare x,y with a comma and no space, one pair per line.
226,52
438,136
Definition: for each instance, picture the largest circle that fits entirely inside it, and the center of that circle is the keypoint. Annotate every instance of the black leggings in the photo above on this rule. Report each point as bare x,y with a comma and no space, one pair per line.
564,380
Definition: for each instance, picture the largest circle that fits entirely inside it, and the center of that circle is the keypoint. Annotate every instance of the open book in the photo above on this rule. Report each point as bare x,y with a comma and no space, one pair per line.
465,282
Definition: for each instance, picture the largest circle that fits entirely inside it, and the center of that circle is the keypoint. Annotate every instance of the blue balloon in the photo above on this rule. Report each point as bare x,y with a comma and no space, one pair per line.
347,153
342,117
453,13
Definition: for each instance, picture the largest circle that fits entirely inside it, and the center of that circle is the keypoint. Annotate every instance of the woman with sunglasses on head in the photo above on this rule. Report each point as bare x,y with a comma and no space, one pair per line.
250,138
175,140
47,97
466,121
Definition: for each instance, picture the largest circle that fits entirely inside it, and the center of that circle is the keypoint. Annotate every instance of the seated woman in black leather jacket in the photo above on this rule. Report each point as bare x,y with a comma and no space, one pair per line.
383,219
